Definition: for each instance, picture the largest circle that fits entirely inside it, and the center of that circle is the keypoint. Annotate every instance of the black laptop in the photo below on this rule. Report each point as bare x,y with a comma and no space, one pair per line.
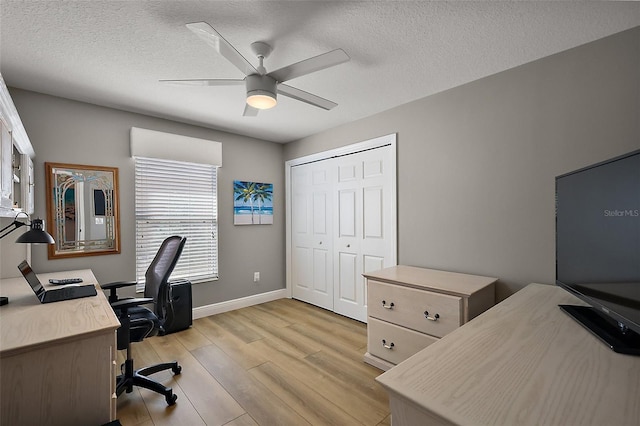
55,295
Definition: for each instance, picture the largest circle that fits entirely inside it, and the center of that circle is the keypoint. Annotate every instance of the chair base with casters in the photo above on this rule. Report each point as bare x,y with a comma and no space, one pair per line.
130,378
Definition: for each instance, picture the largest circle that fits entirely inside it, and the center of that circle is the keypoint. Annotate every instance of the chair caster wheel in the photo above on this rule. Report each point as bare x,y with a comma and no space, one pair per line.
177,369
171,399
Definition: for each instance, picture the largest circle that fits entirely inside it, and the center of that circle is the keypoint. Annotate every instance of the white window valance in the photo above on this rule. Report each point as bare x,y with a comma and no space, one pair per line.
169,146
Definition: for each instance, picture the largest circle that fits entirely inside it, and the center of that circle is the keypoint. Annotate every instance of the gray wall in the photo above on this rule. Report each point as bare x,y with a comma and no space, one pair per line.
63,130
11,254
476,164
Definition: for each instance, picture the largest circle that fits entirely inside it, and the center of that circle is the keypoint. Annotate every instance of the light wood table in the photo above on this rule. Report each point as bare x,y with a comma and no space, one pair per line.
522,362
57,360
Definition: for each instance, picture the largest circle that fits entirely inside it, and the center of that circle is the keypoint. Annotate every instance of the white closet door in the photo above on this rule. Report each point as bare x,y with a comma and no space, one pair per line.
312,233
364,223
342,223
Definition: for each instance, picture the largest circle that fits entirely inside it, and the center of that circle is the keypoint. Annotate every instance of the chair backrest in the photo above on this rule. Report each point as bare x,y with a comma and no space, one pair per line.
158,273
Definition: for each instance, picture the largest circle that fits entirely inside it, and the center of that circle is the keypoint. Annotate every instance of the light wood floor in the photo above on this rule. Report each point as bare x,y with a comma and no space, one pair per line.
279,363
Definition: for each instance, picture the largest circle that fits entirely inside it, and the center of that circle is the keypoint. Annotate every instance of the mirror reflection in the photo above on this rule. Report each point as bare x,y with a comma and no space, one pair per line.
82,210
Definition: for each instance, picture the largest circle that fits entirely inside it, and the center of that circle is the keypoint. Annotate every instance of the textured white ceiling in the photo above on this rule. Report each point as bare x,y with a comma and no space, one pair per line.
113,53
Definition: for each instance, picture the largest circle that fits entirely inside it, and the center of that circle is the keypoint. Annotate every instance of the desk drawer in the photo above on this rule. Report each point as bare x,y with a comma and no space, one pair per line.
407,306
399,343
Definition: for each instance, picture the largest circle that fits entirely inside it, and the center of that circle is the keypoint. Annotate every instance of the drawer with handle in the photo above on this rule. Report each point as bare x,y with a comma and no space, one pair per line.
425,311
393,343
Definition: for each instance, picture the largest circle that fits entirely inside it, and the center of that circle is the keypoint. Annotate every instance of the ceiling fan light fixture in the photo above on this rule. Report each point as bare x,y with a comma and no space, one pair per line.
261,99
261,91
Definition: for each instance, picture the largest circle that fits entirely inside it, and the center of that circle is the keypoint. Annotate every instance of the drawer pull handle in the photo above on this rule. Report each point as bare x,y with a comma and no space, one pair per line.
389,306
431,318
389,346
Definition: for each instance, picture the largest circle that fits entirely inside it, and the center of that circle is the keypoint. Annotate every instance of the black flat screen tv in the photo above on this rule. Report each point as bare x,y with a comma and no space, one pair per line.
598,248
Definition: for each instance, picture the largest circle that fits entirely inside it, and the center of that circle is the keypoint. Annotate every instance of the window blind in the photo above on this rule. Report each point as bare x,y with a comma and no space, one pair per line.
176,198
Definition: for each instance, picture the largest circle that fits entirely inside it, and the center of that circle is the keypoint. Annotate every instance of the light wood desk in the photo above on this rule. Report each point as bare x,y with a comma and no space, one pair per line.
57,360
522,362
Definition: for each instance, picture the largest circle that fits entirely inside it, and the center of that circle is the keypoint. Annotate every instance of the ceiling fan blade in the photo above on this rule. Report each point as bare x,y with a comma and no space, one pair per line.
250,111
306,97
222,46
205,82
310,65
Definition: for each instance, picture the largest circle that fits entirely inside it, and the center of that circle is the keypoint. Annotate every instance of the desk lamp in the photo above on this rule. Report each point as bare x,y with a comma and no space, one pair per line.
35,235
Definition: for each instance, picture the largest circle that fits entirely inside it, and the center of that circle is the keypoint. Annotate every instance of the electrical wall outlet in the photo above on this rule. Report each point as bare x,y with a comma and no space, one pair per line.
256,277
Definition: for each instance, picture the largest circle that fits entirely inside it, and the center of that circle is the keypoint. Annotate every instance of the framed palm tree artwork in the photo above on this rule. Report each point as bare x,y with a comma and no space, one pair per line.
252,203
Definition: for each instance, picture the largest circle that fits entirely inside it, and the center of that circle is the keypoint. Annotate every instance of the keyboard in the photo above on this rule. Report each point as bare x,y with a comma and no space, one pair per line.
65,281
66,293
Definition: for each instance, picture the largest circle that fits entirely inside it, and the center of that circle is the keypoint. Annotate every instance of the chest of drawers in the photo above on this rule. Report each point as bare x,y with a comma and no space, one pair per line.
409,308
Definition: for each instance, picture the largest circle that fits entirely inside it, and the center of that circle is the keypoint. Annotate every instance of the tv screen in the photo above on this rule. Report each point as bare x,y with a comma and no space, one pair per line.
598,242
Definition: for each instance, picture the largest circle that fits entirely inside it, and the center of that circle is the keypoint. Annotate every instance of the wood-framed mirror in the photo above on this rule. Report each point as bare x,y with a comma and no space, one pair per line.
82,210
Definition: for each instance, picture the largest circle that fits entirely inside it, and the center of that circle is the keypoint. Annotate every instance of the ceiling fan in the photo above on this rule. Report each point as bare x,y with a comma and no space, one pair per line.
262,87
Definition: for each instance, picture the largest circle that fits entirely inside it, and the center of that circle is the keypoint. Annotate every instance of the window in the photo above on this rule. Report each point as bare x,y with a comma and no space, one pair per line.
177,198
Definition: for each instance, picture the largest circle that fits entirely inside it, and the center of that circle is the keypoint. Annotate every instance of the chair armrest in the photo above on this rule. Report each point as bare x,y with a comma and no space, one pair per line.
117,284
114,286
130,303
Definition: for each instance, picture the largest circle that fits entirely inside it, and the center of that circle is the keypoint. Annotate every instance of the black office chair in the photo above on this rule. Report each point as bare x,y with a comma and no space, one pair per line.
138,322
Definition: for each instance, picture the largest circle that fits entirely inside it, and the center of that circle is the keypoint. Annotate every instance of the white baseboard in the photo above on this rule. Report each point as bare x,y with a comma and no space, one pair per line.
230,305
